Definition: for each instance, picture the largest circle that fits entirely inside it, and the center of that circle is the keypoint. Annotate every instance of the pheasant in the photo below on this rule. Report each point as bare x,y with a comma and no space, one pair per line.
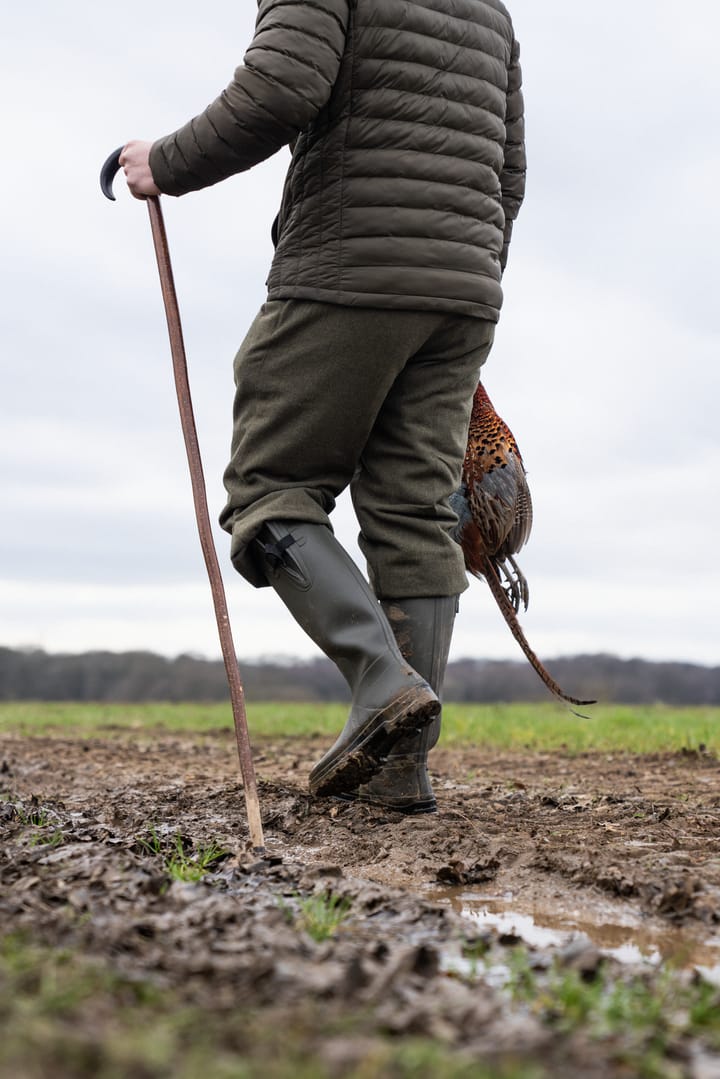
495,515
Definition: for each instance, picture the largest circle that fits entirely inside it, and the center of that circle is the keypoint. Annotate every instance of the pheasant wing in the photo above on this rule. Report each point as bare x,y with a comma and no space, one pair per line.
519,532
492,505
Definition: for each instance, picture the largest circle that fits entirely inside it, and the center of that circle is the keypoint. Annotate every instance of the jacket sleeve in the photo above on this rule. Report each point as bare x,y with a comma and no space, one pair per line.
512,177
285,79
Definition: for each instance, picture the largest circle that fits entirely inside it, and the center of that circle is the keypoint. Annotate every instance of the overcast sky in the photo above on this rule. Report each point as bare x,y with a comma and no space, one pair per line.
605,363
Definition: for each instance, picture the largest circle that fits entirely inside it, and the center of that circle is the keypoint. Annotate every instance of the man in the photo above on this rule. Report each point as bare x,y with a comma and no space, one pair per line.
407,171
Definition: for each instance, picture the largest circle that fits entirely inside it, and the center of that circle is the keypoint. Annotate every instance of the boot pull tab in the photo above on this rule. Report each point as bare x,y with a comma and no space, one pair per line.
275,552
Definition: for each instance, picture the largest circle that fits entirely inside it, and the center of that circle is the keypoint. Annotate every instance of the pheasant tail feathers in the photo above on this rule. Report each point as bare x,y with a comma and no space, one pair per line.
508,613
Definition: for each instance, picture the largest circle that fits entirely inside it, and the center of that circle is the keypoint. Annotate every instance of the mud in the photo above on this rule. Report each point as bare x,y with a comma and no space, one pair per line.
580,845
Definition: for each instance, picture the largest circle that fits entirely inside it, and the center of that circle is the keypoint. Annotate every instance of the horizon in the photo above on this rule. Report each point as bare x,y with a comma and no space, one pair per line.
287,659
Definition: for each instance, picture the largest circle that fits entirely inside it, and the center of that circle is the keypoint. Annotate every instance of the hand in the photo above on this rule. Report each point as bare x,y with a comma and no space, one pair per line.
135,160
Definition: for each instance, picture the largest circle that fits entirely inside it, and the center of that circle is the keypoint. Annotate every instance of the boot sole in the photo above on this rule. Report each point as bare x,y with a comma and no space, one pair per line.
408,809
360,759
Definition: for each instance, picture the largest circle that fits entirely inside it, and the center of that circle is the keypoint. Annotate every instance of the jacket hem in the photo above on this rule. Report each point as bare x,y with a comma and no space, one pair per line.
394,301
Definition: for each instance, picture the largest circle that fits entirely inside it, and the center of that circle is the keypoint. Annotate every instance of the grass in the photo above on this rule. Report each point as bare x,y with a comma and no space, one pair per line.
546,726
318,915
48,839
642,1017
38,818
183,866
179,860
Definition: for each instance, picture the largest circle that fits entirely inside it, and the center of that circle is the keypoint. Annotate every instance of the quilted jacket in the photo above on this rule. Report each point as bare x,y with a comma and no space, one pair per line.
408,163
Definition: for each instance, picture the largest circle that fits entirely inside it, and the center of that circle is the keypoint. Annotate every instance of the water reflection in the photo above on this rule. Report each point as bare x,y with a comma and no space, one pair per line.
627,939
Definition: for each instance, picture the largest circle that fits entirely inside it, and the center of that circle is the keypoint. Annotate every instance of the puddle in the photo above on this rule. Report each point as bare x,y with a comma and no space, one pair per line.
614,932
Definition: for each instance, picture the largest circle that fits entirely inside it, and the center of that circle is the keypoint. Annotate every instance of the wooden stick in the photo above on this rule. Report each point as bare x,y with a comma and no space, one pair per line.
187,419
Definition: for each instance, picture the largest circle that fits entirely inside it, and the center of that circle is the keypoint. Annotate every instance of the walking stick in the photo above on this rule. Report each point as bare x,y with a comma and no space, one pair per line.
187,419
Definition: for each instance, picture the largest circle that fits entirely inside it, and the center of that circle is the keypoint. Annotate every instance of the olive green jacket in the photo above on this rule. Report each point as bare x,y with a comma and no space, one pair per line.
408,165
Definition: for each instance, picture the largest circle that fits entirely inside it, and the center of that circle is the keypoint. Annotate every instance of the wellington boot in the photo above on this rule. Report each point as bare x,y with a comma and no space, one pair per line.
423,629
328,596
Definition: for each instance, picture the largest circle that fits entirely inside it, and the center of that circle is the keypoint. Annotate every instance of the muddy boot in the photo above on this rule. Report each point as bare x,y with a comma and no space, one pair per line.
423,629
327,595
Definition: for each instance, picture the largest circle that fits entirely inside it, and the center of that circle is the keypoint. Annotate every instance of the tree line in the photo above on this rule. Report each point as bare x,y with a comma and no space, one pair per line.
32,674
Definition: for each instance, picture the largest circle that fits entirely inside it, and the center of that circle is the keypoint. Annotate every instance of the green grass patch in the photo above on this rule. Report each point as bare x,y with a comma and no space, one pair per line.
36,816
48,838
632,728
610,727
639,1017
177,856
320,916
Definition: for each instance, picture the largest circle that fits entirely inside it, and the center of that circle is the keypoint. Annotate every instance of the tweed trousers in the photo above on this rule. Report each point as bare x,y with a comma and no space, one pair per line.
329,396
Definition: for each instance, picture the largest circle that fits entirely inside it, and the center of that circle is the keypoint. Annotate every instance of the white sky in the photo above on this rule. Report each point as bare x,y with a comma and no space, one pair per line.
605,363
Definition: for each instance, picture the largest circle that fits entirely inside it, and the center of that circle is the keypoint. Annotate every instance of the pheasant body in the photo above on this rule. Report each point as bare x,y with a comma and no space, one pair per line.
494,510
493,504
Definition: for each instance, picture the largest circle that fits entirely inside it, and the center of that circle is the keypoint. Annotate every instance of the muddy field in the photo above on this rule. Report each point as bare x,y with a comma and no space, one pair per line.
467,929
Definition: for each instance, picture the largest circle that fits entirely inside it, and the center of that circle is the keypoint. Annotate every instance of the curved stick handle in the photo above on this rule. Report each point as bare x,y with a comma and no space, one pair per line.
107,173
